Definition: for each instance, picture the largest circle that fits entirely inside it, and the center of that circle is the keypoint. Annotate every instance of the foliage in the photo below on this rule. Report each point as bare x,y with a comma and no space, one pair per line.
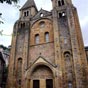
6,48
1,46
9,1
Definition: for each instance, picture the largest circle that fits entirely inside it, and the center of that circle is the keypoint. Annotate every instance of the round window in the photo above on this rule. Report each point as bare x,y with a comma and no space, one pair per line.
42,24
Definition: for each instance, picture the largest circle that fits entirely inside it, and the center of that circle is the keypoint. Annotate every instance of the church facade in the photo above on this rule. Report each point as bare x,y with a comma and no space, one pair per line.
47,48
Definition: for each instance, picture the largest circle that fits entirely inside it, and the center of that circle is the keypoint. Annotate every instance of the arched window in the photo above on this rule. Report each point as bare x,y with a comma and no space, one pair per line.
22,25
68,61
19,70
70,85
41,14
67,56
47,37
37,39
42,24
62,14
27,13
60,2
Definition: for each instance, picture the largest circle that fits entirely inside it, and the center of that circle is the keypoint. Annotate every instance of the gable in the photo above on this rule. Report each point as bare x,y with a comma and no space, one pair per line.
41,14
28,4
41,60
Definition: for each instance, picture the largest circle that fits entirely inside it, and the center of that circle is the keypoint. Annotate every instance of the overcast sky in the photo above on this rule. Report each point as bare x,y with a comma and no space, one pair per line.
11,14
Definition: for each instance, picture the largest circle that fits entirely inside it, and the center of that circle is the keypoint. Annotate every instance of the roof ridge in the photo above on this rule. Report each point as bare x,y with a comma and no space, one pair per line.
44,10
29,3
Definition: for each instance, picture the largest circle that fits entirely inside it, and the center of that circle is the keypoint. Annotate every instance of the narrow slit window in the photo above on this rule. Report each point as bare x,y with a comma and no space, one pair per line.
27,13
59,3
62,2
19,68
23,25
60,15
37,39
47,37
24,14
19,71
19,81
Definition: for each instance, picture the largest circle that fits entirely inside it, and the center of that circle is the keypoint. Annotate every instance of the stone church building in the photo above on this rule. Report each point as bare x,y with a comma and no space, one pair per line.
47,48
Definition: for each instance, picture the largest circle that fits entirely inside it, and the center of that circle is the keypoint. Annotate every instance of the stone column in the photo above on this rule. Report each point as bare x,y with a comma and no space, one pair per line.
42,83
31,84
28,83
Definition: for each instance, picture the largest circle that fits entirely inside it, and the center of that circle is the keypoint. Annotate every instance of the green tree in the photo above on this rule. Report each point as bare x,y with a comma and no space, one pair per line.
9,1
2,46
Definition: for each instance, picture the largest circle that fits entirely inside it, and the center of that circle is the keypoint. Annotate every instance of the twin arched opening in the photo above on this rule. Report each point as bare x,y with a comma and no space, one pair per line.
46,38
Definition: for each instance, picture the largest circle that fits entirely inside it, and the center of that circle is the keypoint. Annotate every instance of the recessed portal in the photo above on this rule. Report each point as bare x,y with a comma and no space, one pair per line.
42,77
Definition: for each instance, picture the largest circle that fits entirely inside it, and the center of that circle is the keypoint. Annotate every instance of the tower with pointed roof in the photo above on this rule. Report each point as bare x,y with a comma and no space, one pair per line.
47,48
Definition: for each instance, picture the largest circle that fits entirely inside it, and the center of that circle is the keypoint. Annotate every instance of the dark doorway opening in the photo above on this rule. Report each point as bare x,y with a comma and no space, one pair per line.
35,83
49,83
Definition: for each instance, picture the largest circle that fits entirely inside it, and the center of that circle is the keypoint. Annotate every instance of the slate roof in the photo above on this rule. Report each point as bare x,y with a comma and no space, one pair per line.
28,4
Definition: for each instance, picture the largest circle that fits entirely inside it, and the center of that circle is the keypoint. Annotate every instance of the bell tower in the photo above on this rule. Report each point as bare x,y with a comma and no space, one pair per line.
28,10
61,3
69,48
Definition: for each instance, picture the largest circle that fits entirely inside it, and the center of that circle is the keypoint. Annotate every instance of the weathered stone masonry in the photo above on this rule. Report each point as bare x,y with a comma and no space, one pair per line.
47,48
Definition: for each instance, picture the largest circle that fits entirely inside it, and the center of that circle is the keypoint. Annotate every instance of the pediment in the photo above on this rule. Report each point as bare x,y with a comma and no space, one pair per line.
42,13
42,60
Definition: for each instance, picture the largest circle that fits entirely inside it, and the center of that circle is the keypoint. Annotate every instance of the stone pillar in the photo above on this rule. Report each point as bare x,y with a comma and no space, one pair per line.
56,83
31,83
42,83
28,83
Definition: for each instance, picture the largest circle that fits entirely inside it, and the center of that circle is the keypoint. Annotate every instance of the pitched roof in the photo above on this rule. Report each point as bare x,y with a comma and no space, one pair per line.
44,12
29,3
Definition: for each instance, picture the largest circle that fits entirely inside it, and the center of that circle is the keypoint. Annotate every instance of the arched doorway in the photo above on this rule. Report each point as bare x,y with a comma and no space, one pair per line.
42,77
